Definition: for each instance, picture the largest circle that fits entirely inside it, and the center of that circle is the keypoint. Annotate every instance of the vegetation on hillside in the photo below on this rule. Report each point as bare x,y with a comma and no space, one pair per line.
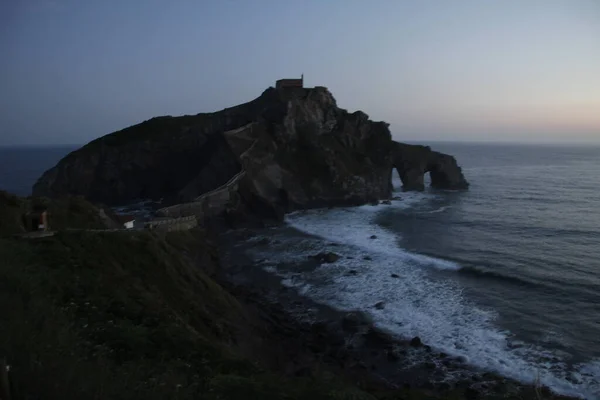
125,315
136,315
12,209
64,213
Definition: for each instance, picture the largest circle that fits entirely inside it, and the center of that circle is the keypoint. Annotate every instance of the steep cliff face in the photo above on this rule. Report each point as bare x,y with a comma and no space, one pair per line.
413,161
314,154
299,150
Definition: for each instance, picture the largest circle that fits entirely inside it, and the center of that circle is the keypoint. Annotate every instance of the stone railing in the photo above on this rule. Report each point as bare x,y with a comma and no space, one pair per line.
232,181
172,224
209,204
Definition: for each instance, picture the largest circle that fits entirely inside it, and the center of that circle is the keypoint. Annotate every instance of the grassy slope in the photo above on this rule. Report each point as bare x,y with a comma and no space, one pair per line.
135,315
67,212
125,315
12,209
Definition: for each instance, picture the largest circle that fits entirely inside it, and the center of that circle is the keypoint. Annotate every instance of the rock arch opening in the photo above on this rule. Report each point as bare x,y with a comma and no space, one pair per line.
414,162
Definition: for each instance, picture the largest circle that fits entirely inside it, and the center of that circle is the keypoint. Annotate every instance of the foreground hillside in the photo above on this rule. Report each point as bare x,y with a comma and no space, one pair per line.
137,315
126,315
66,212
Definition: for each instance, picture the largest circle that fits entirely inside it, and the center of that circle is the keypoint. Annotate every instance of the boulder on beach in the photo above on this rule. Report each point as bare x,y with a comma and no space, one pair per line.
326,257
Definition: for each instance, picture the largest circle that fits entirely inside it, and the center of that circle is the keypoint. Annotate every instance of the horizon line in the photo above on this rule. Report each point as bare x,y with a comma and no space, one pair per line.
407,140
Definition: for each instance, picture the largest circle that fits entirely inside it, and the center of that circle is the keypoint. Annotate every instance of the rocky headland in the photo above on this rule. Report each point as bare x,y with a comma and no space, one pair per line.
288,149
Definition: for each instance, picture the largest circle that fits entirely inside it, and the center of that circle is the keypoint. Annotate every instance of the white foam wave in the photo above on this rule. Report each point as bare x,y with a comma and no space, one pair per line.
358,230
293,282
416,304
438,210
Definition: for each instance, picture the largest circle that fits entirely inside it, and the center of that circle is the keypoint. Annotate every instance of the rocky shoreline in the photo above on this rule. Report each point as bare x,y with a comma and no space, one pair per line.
347,341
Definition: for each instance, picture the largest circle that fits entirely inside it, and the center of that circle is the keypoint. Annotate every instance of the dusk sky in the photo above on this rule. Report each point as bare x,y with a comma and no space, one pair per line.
510,70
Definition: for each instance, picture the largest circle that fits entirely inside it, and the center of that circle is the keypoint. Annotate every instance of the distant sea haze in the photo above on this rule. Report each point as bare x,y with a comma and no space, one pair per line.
506,275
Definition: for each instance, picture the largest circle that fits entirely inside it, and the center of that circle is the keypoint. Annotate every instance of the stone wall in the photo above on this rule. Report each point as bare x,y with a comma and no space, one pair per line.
172,224
209,204
289,83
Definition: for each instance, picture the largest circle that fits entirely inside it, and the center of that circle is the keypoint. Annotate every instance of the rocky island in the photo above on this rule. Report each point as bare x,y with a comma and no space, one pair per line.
98,312
289,149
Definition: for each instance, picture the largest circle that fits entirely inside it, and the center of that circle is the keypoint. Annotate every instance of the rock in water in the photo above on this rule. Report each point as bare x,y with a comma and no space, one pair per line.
416,342
380,305
412,162
331,257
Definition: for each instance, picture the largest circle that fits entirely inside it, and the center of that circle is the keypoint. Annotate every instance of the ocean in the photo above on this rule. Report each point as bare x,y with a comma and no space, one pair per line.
20,167
505,275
